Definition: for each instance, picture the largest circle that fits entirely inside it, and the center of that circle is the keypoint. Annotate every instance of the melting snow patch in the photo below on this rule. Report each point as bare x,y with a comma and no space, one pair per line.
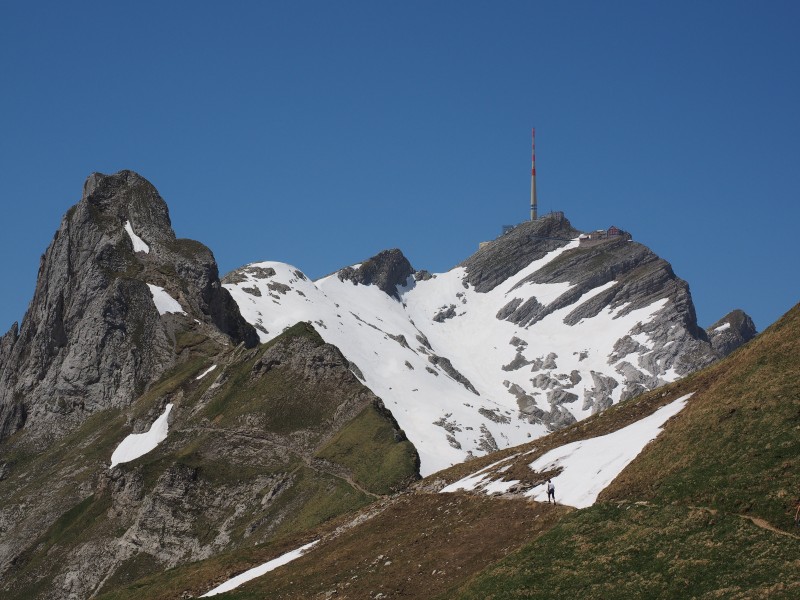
138,243
164,302
139,444
723,327
589,466
472,482
259,571
206,372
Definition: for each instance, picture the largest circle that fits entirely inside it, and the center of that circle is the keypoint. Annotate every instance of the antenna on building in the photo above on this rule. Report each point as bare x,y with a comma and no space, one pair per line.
534,207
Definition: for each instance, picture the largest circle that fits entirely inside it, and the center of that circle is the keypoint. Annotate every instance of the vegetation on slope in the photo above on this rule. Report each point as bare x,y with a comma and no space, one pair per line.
414,546
369,447
737,445
702,512
624,551
705,511
263,447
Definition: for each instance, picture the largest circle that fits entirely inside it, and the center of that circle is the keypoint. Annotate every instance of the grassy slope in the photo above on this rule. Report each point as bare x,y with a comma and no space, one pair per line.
200,445
674,524
668,527
623,551
738,442
413,546
367,446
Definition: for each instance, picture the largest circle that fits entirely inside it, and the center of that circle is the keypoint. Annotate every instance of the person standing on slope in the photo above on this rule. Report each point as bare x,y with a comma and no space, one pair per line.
551,491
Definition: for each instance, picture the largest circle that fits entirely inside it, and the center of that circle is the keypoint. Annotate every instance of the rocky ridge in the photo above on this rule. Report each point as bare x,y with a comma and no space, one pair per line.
92,337
386,270
534,331
263,441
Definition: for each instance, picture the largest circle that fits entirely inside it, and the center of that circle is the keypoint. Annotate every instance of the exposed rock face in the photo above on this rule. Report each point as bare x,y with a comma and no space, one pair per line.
508,255
573,327
446,366
640,278
630,277
386,270
253,442
92,337
731,331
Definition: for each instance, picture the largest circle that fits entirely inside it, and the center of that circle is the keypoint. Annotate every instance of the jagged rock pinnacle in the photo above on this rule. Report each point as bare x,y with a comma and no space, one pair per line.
92,337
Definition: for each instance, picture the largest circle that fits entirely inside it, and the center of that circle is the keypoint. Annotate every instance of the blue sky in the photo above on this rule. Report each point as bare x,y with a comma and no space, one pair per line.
319,133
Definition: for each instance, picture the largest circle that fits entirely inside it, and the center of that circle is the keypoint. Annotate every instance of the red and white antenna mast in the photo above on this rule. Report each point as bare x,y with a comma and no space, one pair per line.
534,214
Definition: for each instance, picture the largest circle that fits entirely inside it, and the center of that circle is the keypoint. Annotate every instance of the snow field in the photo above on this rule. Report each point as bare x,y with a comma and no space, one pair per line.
440,415
206,372
588,466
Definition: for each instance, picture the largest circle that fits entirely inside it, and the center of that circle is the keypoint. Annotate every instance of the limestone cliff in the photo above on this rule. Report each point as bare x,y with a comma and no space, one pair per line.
92,337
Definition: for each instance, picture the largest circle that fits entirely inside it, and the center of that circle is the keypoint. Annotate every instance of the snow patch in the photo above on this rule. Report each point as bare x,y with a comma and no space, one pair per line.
259,571
589,466
139,444
723,327
206,372
164,302
472,482
138,243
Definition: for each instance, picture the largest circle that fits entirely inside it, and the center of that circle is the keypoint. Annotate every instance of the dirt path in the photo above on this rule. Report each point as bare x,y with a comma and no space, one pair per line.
764,525
757,521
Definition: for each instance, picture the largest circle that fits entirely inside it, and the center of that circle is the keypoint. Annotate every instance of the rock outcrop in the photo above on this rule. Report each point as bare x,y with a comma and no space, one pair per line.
515,250
386,270
268,440
731,331
93,337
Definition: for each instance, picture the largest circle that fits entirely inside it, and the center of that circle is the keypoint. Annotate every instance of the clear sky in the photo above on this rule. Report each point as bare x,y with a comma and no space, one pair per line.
319,133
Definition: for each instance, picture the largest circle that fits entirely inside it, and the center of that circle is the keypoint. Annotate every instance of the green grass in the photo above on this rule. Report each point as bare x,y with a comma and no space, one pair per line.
314,499
736,444
630,551
282,400
179,376
134,568
368,448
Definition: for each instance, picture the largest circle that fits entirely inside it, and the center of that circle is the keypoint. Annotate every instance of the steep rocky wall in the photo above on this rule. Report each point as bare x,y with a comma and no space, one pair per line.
92,337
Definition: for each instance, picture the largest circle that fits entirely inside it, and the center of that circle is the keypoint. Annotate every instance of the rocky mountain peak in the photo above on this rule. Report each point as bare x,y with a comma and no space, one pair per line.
386,270
498,260
128,197
94,334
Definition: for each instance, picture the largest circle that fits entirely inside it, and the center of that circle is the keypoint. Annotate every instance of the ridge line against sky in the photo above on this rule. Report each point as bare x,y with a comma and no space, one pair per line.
320,133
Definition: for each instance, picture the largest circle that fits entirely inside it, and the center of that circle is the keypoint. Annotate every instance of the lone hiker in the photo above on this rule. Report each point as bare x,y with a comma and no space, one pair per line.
551,491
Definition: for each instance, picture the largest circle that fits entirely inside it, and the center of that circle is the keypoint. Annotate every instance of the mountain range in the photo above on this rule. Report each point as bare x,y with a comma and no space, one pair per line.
153,415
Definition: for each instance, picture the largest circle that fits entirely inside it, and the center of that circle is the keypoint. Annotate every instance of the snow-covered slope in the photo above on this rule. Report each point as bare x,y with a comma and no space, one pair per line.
460,373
